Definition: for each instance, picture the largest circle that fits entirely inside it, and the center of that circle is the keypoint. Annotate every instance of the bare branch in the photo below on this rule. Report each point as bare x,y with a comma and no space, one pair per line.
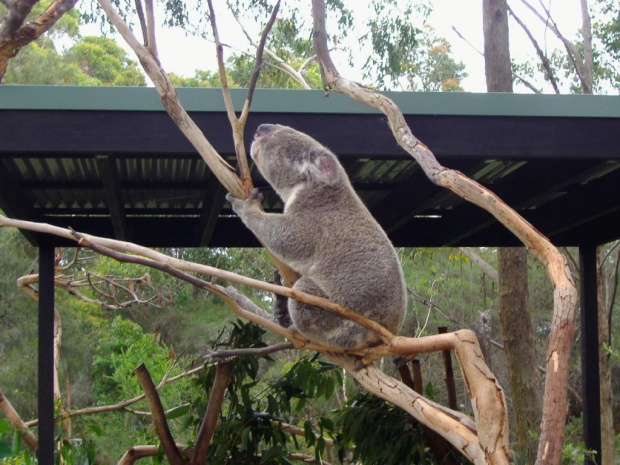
258,63
150,29
139,452
571,50
142,20
588,55
16,422
158,415
480,263
515,75
169,97
216,399
543,58
280,63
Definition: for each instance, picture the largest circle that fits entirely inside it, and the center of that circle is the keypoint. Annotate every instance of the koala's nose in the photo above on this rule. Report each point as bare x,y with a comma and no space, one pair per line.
264,129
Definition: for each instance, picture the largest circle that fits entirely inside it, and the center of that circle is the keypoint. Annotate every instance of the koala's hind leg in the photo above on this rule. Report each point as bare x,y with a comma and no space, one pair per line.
319,325
280,304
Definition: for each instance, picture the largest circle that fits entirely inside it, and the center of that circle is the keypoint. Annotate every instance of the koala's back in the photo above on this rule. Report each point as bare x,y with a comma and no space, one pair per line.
353,262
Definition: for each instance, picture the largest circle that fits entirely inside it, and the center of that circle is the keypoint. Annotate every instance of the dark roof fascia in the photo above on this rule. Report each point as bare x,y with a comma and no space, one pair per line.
82,98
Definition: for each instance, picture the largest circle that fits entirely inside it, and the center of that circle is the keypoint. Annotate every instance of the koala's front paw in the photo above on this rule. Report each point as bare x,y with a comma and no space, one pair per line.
239,206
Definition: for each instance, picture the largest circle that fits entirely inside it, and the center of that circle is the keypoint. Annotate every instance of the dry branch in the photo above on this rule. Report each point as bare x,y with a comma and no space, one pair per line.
158,415
139,452
169,97
543,58
216,399
16,422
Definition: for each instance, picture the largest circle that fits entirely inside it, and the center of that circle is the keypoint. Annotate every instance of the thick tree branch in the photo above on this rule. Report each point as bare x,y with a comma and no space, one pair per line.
158,415
150,29
216,399
16,422
139,452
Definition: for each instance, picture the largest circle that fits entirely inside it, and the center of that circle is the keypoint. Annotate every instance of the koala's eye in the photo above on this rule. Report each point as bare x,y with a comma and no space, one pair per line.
263,129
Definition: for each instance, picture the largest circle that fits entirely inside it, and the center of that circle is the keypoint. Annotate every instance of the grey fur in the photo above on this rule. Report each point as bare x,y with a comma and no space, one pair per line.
327,235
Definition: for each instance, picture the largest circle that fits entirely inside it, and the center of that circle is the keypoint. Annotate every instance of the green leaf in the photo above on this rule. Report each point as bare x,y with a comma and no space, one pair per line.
5,427
177,412
5,450
96,429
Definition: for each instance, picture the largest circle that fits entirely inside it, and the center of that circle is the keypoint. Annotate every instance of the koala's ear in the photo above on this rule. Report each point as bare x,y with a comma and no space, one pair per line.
322,169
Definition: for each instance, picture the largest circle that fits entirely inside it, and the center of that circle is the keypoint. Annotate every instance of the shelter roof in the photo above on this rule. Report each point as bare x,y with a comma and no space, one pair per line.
109,161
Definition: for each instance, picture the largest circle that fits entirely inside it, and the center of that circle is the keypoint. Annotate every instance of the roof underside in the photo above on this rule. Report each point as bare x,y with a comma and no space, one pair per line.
110,162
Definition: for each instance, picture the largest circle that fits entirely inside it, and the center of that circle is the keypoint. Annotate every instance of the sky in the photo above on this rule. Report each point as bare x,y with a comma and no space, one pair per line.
183,55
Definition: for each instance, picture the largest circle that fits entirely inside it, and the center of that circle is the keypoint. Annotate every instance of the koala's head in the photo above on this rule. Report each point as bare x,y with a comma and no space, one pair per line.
287,158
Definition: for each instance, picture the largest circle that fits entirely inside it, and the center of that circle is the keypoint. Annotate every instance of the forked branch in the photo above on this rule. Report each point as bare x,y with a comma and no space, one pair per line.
565,293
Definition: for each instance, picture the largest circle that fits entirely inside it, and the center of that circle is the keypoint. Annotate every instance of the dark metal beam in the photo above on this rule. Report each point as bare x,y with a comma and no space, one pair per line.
113,194
212,204
46,355
13,200
590,351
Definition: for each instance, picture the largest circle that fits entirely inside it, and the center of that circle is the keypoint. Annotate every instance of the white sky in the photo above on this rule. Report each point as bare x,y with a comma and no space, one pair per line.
183,55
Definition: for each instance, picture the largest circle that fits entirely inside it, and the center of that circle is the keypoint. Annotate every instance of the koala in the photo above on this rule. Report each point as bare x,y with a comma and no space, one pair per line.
327,235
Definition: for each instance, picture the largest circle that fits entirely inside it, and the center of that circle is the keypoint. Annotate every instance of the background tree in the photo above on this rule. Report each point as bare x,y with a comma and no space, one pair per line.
517,332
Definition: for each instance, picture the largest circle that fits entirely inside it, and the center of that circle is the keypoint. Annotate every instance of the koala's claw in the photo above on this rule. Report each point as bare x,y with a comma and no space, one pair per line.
255,195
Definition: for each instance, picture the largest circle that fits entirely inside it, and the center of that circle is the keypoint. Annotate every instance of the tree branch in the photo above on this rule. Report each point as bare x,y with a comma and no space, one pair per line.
571,50
150,29
543,58
169,97
515,75
480,263
158,416
216,399
16,422
14,35
139,452
142,20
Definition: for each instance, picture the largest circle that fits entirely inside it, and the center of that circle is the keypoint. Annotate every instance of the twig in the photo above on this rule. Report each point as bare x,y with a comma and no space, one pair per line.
573,54
142,20
258,63
543,58
515,75
216,399
256,352
150,29
159,416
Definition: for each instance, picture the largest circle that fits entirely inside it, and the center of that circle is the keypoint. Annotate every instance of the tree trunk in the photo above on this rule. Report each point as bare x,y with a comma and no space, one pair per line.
607,418
520,348
496,46
517,333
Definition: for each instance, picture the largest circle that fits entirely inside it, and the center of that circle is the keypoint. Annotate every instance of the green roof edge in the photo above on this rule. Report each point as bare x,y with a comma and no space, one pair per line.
24,97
